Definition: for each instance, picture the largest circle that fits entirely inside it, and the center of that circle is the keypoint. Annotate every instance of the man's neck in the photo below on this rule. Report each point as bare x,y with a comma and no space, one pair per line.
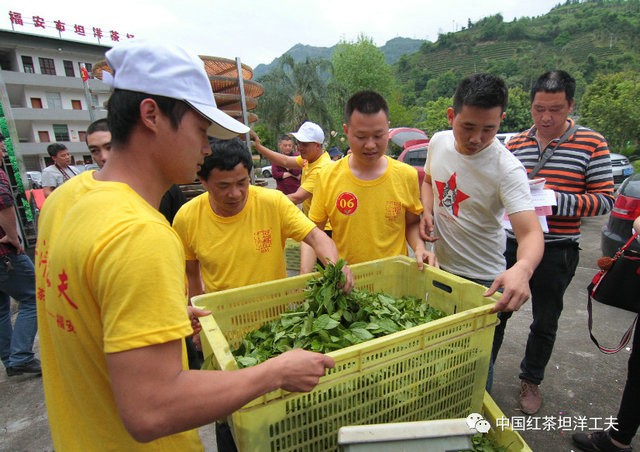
545,140
365,171
137,172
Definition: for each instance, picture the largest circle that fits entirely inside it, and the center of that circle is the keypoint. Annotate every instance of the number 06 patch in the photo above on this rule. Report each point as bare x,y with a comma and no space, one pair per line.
347,203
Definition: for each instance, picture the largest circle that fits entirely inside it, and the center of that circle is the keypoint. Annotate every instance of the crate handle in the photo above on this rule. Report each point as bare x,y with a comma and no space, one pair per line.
442,286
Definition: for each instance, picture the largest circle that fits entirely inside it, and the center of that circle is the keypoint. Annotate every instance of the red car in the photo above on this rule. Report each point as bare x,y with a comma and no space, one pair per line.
414,143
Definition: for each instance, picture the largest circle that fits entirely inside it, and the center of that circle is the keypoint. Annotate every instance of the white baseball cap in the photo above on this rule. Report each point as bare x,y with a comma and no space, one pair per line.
168,70
309,132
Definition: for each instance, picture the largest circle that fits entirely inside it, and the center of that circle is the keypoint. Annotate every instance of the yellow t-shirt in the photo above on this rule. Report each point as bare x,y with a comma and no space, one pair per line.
310,175
247,248
110,277
367,217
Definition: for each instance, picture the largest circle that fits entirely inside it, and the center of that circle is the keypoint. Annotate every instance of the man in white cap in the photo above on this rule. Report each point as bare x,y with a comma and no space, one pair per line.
112,306
312,159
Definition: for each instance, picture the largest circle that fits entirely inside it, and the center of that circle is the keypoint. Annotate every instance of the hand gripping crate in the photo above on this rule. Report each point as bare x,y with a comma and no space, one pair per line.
437,370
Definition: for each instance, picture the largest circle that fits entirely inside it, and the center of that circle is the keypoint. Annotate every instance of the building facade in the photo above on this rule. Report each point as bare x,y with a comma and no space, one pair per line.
41,81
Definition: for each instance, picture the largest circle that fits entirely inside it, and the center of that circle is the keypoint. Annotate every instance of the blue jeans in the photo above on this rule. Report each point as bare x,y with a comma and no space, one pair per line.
16,343
548,285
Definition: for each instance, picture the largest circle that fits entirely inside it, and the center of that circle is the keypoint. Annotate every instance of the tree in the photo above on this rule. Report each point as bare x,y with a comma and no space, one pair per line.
610,106
357,66
441,86
360,65
518,115
295,92
434,115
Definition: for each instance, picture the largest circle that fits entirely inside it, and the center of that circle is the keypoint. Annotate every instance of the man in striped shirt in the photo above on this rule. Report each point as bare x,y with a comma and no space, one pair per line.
579,172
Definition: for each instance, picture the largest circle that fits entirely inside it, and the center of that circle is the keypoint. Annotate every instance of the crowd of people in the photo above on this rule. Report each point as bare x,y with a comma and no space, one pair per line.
119,243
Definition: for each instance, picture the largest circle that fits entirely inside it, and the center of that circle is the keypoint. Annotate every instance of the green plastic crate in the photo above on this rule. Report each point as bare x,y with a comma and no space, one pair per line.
437,370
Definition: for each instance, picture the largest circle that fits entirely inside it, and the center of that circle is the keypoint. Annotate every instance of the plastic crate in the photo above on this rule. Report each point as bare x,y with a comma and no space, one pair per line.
292,255
434,436
505,437
437,370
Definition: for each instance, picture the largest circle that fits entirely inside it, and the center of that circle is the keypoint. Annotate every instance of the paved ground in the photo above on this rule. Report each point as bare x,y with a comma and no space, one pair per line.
580,381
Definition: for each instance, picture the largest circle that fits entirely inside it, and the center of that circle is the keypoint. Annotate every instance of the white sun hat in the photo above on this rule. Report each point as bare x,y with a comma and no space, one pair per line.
168,70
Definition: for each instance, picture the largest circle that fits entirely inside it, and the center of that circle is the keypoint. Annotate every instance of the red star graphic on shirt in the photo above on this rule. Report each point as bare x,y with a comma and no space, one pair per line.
450,196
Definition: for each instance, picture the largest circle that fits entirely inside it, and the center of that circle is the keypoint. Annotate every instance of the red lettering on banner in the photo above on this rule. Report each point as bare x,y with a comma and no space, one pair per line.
97,32
130,36
115,36
16,18
346,203
79,30
60,26
38,22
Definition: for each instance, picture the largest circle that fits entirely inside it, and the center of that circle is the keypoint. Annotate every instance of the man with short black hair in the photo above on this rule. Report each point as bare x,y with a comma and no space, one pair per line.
579,172
112,306
250,225
61,171
371,200
98,140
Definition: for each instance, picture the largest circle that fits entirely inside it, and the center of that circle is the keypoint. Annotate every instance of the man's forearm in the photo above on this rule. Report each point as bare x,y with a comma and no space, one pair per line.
274,157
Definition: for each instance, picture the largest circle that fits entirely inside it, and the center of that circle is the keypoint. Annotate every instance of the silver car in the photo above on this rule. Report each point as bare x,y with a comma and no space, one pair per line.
621,168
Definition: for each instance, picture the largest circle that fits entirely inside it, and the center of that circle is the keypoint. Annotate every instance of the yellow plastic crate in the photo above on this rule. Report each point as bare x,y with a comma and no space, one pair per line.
446,434
433,371
505,437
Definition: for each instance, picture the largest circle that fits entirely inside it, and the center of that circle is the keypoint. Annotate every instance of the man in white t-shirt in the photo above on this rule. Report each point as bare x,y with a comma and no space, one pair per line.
470,181
61,171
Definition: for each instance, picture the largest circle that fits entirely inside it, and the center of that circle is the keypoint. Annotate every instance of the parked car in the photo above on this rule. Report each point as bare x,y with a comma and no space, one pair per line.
621,168
415,156
266,171
504,137
414,143
625,209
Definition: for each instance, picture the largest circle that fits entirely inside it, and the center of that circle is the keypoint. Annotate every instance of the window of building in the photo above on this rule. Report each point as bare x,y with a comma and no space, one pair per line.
27,65
68,68
36,102
54,101
47,66
43,136
61,132
76,104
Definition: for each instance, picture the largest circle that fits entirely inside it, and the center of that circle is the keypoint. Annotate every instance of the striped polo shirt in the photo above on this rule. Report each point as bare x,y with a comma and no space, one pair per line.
579,171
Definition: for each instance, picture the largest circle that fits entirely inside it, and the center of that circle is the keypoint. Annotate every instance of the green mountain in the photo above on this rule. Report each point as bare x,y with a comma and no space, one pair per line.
392,50
585,38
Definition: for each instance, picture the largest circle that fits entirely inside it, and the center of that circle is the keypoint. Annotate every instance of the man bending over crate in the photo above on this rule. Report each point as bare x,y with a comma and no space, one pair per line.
112,307
234,234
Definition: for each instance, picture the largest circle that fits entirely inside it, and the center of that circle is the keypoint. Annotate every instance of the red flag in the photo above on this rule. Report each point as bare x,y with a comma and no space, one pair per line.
84,73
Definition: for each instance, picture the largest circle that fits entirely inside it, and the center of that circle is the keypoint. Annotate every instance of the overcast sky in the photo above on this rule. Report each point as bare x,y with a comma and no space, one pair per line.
257,31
